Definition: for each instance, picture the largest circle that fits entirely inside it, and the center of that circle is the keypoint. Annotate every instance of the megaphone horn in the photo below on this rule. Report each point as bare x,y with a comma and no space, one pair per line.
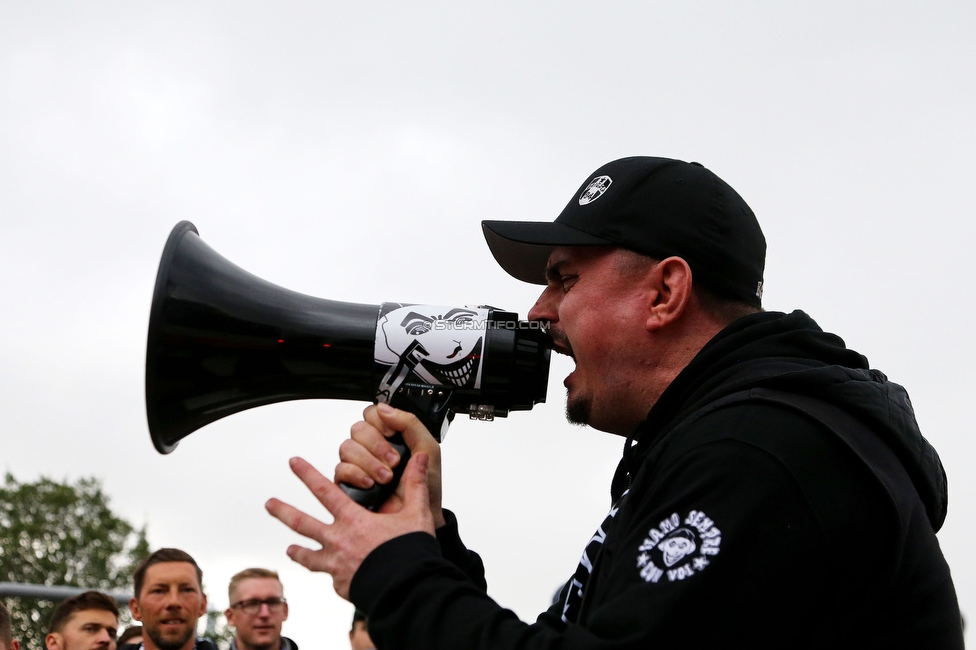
222,340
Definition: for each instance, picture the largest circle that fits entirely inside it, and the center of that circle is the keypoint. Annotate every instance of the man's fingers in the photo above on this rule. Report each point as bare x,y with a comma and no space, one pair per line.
327,492
415,434
373,432
372,417
300,522
310,476
419,440
348,474
376,458
311,560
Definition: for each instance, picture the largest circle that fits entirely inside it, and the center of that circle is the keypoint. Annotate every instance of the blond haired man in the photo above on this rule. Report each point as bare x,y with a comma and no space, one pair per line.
257,610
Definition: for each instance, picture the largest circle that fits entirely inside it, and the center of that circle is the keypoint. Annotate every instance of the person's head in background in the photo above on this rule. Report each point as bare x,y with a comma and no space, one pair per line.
257,610
88,621
132,636
168,599
358,636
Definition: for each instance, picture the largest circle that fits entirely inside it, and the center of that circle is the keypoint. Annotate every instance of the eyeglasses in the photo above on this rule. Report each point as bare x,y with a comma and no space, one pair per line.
253,606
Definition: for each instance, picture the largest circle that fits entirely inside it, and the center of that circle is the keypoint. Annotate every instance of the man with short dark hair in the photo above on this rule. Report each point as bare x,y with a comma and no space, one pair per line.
7,640
88,621
257,610
169,600
774,490
359,635
131,638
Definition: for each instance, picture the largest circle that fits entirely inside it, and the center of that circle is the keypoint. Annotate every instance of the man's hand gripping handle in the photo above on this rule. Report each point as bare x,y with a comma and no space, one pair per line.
372,498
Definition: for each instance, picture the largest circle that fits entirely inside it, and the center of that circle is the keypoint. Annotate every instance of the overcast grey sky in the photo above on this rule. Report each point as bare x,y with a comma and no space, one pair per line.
350,151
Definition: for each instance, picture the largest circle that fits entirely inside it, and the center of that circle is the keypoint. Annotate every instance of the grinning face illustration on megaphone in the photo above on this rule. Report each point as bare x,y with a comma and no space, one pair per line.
441,345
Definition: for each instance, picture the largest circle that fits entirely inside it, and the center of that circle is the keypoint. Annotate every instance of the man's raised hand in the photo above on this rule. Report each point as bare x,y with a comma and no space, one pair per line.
355,531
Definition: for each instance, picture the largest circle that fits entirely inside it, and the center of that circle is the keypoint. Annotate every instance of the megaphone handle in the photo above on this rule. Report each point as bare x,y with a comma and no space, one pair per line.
377,495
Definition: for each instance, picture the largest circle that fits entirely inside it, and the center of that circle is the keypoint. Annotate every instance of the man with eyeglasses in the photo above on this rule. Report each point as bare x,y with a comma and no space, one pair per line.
257,610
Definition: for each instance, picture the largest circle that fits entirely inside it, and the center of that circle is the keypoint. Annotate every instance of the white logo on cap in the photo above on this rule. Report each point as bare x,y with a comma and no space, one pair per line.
595,189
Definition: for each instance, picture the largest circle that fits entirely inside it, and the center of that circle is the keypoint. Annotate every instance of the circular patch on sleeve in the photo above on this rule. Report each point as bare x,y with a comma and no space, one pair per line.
678,548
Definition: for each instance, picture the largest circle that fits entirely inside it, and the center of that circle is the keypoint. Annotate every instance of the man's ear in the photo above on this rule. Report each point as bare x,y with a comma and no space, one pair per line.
229,615
672,283
14,644
134,609
53,641
203,604
286,613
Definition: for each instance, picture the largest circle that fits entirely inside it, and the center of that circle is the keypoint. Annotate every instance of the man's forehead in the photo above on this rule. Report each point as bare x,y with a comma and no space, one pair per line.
258,588
101,616
171,572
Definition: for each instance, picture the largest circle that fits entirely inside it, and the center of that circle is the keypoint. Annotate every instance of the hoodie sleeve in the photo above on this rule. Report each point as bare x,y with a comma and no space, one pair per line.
454,551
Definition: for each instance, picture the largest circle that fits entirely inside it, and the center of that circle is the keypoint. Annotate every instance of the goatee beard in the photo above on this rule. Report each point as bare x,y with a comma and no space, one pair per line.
169,644
577,410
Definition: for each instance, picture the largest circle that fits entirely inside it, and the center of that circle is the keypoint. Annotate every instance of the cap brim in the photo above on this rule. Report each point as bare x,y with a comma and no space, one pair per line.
522,248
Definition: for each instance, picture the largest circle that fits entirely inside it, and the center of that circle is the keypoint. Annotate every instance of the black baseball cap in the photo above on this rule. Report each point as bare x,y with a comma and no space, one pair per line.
655,206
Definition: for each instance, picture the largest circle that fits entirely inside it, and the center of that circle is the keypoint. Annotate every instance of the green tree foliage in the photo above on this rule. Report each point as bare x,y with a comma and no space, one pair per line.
61,534
217,629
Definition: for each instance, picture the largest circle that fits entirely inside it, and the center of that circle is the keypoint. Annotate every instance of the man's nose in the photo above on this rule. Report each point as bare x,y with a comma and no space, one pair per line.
544,308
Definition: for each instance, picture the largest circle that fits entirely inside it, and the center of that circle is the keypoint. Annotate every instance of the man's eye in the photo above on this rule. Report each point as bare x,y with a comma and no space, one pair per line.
567,281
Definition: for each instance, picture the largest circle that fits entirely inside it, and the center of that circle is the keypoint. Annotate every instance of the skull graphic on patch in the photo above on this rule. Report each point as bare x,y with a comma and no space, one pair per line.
438,345
678,548
594,189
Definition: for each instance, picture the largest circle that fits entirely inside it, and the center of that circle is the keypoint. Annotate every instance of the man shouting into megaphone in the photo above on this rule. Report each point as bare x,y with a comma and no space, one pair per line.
758,448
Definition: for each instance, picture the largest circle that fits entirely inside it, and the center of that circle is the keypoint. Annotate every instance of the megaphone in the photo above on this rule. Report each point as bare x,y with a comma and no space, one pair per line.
222,340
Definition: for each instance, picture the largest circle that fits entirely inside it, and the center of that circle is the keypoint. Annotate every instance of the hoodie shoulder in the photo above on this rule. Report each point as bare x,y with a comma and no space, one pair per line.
792,355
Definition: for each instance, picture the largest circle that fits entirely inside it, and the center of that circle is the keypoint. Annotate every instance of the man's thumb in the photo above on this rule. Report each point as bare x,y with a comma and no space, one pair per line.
414,481
415,434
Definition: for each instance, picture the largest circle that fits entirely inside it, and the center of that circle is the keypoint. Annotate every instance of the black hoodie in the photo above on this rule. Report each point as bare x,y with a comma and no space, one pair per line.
779,494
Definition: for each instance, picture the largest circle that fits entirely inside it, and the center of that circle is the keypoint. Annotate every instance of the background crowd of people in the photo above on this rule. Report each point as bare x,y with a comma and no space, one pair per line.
168,601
